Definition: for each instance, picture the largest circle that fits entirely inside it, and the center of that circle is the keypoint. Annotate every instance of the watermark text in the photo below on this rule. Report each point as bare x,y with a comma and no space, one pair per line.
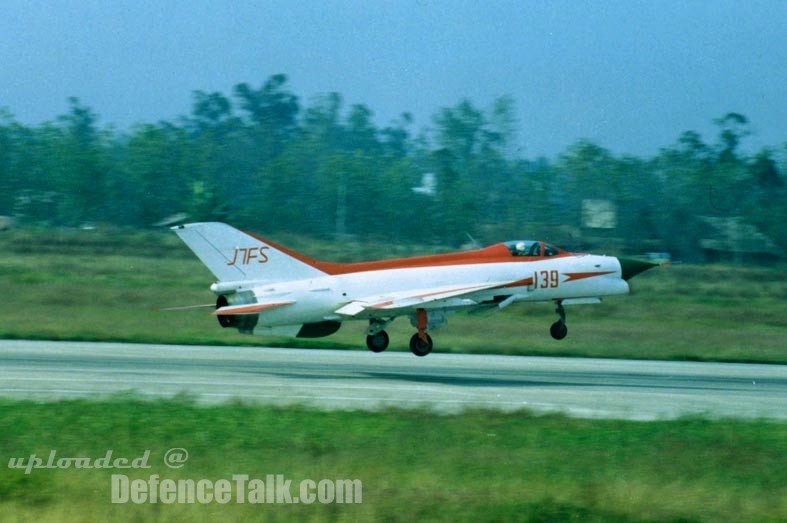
108,461
274,489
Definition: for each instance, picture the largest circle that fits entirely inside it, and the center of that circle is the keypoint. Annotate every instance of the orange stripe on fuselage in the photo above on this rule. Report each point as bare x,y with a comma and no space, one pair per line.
493,254
573,276
519,283
497,253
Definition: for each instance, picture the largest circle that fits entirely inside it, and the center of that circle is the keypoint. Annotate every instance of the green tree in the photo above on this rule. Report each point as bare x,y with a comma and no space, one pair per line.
733,128
155,181
9,179
396,138
82,170
210,110
360,133
767,203
460,131
272,110
322,123
764,172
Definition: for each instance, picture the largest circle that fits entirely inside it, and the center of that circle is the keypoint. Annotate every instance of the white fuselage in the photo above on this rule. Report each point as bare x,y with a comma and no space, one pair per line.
545,279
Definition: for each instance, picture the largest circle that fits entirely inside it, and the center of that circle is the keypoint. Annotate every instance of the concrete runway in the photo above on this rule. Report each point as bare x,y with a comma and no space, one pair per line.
582,387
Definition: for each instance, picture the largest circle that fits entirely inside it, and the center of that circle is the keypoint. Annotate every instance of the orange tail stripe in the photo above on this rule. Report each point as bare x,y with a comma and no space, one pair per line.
249,309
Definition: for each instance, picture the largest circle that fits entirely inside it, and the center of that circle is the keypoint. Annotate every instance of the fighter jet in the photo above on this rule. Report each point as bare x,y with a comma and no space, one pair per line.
264,288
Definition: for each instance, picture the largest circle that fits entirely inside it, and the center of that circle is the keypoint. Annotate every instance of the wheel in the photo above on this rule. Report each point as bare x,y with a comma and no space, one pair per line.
558,330
420,347
377,342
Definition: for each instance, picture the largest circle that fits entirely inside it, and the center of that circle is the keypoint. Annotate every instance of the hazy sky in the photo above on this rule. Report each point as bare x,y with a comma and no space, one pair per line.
630,75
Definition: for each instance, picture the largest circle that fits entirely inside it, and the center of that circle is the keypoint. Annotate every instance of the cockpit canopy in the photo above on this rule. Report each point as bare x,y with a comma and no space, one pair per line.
531,248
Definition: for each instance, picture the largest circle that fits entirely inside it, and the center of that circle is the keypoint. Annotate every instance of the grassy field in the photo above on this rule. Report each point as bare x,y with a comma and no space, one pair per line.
414,466
92,285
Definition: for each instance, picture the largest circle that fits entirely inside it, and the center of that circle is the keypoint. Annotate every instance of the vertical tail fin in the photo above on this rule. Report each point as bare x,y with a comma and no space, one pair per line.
233,255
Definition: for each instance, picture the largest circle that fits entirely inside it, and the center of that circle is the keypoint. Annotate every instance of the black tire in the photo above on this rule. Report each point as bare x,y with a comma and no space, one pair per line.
377,342
558,330
420,347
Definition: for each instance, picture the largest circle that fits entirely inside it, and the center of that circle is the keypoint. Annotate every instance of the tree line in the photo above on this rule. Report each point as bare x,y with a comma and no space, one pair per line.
262,159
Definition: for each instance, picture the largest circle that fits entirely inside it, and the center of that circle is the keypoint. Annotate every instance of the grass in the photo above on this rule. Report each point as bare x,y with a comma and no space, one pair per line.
415,466
110,286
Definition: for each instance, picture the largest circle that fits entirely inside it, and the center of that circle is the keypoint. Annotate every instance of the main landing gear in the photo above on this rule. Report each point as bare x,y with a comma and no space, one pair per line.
376,337
377,342
420,344
558,330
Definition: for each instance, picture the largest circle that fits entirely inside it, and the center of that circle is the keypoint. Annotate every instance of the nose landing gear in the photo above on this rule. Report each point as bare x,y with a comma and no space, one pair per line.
558,330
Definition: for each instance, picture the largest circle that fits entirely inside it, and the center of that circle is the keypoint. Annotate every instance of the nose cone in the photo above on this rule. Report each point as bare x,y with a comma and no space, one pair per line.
630,267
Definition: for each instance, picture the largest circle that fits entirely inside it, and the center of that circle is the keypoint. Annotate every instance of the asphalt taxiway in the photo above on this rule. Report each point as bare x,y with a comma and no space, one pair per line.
600,388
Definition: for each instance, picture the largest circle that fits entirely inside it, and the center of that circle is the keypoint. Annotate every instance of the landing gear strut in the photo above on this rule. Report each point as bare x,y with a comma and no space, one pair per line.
558,330
421,343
